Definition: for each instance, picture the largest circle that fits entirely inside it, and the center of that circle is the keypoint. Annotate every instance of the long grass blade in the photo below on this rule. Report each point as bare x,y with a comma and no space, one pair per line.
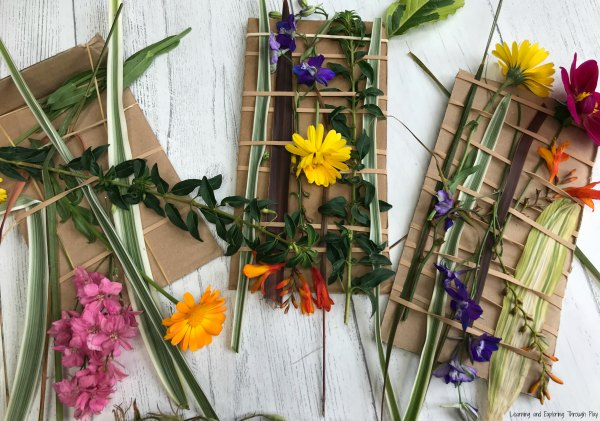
370,161
31,350
259,132
540,268
132,272
450,247
128,223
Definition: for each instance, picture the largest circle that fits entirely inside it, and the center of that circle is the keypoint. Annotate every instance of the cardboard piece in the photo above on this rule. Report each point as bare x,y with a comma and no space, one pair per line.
333,54
411,333
173,252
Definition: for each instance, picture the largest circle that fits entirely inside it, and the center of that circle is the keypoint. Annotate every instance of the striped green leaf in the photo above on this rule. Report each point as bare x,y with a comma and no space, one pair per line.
31,350
259,133
370,161
132,271
540,268
450,247
128,223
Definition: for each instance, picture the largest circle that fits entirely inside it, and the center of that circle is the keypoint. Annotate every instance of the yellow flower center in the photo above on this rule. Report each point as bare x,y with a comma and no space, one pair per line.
582,96
197,314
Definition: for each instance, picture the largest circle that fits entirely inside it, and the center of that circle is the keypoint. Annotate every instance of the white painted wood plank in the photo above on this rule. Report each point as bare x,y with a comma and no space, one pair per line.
192,101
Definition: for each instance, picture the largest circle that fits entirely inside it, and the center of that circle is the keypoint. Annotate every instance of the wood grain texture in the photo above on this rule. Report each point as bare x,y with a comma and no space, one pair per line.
192,99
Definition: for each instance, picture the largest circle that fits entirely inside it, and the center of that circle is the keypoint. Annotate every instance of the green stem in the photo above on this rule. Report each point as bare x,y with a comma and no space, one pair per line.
348,278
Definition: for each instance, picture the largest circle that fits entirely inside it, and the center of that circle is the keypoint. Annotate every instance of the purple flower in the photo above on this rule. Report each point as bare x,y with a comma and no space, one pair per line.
275,50
310,71
444,208
286,33
454,372
483,346
466,310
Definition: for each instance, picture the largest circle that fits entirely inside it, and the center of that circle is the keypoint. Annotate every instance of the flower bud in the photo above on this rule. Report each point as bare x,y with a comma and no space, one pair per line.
275,15
308,11
303,4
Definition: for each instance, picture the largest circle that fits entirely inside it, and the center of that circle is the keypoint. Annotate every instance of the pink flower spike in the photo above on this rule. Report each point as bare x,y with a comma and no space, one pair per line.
103,295
114,335
61,329
82,277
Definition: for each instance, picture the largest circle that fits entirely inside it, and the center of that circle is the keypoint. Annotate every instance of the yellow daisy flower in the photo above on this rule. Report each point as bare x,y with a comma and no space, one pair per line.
522,65
3,193
194,325
321,160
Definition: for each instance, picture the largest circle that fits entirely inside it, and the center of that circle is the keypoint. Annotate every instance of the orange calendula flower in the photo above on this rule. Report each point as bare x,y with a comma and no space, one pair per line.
553,157
586,194
193,325
262,272
306,302
323,300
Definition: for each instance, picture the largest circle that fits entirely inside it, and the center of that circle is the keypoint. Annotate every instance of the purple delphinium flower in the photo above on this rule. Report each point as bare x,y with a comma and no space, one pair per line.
444,208
466,310
310,71
455,372
286,33
275,49
483,347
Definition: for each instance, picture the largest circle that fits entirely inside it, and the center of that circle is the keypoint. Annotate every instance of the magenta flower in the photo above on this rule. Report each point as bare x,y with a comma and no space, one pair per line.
105,295
582,99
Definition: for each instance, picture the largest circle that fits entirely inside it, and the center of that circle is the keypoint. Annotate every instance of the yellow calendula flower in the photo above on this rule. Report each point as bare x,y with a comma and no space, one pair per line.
3,193
321,160
193,325
522,65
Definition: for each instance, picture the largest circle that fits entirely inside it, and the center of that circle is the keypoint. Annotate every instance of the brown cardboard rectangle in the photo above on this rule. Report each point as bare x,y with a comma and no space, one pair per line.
173,253
332,52
411,333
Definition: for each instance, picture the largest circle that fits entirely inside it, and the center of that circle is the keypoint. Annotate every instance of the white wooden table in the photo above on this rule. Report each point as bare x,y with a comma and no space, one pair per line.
192,100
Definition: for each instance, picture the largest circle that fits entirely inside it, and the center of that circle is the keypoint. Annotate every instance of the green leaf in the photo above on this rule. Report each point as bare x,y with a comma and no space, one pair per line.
335,207
175,216
137,64
403,15
185,187
384,206
367,70
373,279
234,201
363,145
206,191
192,222
374,110
161,185
460,176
